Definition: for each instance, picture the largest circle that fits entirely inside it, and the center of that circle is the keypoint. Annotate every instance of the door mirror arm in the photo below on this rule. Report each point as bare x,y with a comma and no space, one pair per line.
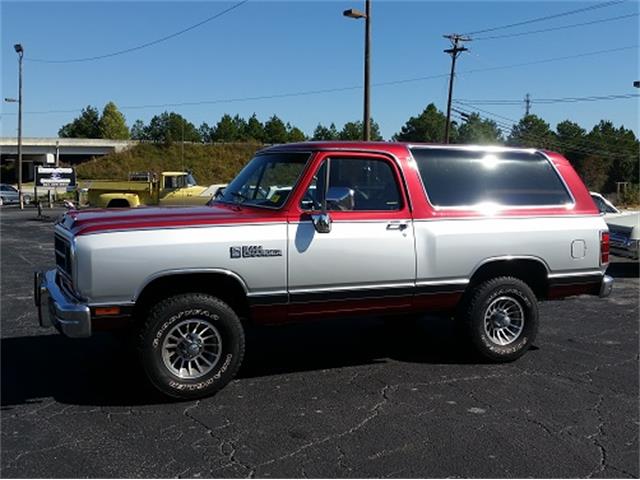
322,221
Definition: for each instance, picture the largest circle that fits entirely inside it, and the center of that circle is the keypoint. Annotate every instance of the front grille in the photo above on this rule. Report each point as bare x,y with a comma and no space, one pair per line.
63,255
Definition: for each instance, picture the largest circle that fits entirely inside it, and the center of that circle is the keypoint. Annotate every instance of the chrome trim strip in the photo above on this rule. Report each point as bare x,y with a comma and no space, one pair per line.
166,273
584,273
503,217
555,169
266,293
379,220
473,148
437,283
510,257
351,288
111,304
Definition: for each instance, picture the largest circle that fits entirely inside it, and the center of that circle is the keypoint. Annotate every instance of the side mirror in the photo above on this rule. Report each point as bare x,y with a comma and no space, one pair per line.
321,222
341,198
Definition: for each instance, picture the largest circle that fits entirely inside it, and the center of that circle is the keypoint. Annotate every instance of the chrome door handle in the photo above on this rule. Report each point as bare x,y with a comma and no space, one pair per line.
396,226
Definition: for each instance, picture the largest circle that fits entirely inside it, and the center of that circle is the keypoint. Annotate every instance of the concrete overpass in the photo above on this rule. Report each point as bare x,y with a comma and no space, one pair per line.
38,151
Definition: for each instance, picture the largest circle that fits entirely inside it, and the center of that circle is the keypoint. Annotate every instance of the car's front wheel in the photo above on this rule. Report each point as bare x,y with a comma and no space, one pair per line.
501,318
191,345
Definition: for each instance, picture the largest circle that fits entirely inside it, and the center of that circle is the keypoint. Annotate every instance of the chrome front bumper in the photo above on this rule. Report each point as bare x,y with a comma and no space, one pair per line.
606,286
58,309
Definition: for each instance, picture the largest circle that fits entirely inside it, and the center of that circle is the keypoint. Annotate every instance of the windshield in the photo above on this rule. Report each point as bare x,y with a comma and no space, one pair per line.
266,181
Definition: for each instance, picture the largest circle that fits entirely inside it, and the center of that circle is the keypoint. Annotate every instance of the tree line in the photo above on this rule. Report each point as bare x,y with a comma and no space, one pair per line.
169,127
603,156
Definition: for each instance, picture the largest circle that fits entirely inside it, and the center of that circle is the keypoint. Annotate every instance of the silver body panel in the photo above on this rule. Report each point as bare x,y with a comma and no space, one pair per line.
454,249
114,267
352,254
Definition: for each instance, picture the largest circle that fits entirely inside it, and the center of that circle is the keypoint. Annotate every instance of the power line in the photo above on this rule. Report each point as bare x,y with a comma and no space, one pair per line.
584,146
594,98
144,45
547,17
336,89
562,27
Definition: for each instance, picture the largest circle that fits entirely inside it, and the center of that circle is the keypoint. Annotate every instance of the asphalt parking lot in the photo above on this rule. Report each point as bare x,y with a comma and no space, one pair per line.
329,399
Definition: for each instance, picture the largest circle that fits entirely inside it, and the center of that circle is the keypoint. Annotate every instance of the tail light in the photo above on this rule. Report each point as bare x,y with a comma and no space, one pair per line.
604,247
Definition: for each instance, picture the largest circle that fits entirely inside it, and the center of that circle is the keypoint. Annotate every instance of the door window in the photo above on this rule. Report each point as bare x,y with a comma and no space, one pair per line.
355,184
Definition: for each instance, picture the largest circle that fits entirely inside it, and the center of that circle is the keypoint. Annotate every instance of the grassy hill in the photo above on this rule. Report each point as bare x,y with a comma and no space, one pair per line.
210,164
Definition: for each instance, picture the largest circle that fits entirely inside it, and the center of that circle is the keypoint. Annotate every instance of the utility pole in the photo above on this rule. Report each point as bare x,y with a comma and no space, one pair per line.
456,49
527,105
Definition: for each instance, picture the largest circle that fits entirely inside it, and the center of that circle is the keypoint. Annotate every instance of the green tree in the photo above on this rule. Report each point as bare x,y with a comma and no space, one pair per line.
86,125
571,142
294,134
254,129
169,127
225,130
205,132
531,131
240,128
426,127
325,133
476,130
139,130
354,131
621,148
275,131
112,124
595,172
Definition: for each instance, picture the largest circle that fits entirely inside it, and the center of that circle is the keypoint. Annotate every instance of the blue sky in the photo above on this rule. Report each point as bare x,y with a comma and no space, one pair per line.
267,48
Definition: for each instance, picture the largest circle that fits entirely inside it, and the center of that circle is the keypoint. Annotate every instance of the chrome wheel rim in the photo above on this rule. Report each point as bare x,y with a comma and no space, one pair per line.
504,320
191,349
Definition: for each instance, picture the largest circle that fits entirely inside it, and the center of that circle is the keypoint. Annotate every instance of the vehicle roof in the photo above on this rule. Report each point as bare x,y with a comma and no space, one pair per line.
389,146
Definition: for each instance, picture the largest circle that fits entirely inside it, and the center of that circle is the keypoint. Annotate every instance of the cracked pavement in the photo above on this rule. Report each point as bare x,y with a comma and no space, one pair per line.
350,398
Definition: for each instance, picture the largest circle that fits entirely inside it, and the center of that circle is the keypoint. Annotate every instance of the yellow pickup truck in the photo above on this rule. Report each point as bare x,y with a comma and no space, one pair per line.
167,188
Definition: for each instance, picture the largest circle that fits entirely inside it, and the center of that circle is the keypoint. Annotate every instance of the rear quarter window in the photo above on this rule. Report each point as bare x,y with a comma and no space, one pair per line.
463,178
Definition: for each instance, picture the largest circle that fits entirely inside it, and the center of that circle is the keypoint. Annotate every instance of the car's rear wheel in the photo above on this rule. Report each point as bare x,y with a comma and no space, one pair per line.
501,318
191,345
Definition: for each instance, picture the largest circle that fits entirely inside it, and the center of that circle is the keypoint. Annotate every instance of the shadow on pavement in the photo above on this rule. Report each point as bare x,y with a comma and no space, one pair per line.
624,269
100,371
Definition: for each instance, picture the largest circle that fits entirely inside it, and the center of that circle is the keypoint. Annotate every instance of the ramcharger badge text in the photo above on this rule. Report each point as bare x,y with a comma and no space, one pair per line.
251,251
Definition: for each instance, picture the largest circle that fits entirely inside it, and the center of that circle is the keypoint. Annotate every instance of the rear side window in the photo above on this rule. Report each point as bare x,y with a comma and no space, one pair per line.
458,178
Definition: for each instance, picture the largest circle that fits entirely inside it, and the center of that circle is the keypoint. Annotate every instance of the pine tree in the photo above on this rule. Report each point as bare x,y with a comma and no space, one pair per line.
112,124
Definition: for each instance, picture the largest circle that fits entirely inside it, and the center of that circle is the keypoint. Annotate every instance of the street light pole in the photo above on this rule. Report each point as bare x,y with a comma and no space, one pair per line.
353,13
20,51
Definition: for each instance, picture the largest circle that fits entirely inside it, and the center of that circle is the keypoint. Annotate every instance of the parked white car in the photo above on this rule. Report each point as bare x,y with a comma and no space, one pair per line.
624,227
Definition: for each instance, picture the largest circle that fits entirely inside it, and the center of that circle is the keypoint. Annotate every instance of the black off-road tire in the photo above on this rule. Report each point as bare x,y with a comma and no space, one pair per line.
472,318
168,313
